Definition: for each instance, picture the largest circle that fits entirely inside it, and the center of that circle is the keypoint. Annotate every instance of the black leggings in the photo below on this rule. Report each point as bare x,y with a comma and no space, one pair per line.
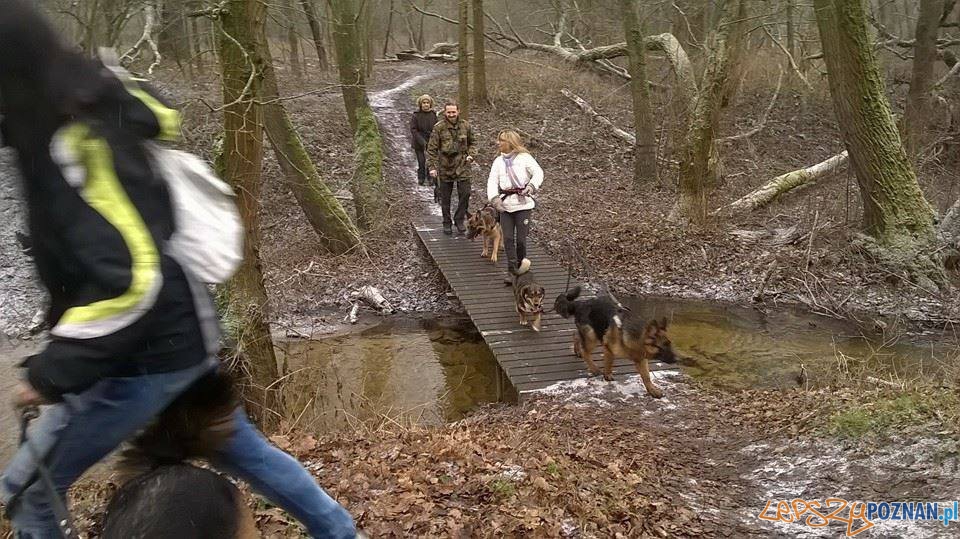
421,166
515,227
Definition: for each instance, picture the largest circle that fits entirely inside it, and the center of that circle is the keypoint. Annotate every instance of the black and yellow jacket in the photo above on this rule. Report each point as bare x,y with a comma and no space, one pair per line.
99,218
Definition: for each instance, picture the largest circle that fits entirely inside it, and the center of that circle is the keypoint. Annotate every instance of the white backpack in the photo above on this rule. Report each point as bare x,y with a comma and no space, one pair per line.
208,232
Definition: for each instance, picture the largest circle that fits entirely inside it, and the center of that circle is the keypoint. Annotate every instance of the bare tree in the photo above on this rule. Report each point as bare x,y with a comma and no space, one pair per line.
242,159
479,54
698,157
317,33
463,58
895,213
331,223
367,185
293,41
645,148
921,82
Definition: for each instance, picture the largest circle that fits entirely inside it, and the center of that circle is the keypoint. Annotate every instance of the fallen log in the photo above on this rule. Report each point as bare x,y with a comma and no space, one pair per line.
783,184
585,107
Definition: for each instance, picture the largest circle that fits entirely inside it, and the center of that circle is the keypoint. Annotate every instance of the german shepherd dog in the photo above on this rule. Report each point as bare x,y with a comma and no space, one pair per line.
484,223
164,497
602,321
528,295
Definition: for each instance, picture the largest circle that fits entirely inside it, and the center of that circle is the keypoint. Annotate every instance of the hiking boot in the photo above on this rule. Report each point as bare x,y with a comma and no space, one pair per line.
460,228
447,229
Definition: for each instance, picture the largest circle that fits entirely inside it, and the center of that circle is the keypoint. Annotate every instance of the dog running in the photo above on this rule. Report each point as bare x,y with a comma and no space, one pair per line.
602,322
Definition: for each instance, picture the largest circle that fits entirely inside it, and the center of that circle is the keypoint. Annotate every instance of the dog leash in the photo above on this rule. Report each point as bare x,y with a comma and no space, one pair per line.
60,512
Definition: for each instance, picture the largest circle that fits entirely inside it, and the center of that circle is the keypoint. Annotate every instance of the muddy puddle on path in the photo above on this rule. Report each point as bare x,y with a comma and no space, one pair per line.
404,370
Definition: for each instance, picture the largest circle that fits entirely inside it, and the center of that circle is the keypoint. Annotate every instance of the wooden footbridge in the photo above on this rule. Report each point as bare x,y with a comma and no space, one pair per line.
527,359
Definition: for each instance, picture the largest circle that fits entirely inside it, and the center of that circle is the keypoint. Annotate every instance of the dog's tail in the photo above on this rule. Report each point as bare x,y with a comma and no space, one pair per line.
524,267
573,293
196,425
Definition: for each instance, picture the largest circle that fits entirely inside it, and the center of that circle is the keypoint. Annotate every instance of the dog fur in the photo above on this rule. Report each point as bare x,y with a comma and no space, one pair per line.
528,295
162,495
603,322
484,223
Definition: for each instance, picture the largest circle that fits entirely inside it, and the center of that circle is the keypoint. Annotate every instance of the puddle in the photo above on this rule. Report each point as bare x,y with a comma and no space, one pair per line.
404,371
739,347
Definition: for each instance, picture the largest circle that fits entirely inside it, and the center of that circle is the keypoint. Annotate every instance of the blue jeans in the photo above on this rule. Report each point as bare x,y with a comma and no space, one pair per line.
77,433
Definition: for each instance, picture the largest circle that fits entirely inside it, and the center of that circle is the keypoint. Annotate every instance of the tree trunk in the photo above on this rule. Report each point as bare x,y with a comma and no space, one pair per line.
791,32
348,48
386,38
328,218
292,40
317,34
369,193
698,158
894,210
736,45
463,59
367,185
243,153
645,149
479,55
921,82
366,30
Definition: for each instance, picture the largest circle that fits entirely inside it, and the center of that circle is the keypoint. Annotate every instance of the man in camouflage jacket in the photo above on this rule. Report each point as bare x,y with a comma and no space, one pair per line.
450,154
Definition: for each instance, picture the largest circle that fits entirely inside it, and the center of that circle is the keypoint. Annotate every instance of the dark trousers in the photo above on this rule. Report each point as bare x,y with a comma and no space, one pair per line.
515,227
463,199
421,166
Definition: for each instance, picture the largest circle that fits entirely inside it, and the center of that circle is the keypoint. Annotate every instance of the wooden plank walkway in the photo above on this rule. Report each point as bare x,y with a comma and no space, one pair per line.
530,360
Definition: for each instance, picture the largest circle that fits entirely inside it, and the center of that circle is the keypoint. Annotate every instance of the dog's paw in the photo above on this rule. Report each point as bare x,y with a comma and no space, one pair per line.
655,392
608,377
592,374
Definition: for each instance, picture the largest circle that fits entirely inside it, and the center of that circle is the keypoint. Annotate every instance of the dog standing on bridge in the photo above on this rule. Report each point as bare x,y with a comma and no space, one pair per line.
484,223
528,295
603,322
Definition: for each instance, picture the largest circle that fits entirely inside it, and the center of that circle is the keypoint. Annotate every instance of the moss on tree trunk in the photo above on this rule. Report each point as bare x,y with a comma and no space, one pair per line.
367,186
895,212
322,209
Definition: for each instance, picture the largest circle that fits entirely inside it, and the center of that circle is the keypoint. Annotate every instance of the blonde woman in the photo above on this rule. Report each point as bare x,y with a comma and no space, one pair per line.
421,125
515,177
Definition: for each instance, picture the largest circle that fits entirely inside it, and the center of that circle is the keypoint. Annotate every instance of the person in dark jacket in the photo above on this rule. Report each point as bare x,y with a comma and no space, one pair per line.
131,330
421,125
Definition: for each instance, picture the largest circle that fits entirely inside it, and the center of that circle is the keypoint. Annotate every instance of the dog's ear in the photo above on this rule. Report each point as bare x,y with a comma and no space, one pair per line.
663,324
651,329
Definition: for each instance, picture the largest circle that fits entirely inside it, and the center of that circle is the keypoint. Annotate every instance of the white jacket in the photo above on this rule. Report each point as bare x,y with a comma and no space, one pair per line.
527,171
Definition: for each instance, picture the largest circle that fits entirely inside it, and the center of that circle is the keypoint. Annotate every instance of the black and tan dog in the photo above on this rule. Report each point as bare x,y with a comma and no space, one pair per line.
163,496
484,223
528,295
603,322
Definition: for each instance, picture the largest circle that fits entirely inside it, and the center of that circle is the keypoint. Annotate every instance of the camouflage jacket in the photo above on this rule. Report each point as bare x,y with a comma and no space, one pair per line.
447,151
